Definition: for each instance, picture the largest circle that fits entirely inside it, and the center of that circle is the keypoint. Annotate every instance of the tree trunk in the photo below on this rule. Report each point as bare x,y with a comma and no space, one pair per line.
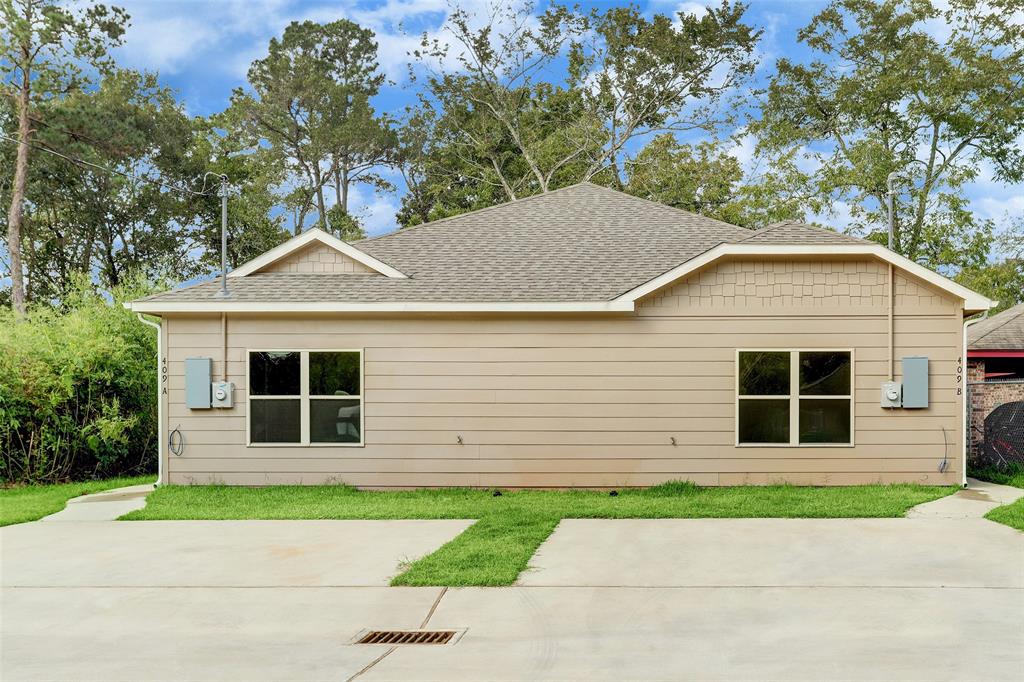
320,205
341,184
14,215
344,190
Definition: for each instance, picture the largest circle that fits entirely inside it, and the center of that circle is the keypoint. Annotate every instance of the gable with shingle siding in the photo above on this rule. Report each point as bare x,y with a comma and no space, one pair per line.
319,258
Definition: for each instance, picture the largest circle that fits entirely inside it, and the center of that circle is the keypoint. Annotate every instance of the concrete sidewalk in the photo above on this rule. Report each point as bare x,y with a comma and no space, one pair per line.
105,506
779,553
931,598
178,554
978,499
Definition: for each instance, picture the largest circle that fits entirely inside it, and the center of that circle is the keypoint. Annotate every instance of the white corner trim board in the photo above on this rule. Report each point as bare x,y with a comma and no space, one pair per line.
222,305
973,301
316,234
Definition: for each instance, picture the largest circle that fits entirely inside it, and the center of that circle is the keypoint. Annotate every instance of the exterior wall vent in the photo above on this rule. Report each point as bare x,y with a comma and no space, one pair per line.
401,637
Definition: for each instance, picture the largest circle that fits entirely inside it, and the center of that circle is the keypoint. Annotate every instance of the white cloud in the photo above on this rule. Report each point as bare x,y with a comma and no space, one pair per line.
744,150
695,9
998,208
838,217
174,36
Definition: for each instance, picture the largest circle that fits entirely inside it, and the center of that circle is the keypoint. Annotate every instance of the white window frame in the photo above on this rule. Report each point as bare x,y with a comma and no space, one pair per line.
304,397
794,398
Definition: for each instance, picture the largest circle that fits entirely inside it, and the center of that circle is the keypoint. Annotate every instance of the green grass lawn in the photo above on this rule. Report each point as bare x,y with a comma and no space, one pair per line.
1010,514
31,502
510,527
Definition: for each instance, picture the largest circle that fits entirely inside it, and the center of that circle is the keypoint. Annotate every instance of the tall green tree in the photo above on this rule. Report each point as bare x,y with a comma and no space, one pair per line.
121,220
43,49
509,126
705,178
699,178
361,142
885,94
255,225
309,103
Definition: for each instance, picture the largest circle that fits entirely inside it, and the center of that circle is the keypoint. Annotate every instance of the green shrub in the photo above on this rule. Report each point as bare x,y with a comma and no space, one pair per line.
77,390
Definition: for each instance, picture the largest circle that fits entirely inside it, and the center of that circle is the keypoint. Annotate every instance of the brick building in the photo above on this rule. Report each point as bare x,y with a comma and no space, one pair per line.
995,377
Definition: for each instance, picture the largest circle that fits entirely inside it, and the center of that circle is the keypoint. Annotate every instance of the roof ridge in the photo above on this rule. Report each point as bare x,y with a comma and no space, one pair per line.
475,211
754,233
1009,319
661,206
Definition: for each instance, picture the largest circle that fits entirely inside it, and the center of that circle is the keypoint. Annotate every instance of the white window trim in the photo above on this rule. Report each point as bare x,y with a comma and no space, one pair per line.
304,397
794,398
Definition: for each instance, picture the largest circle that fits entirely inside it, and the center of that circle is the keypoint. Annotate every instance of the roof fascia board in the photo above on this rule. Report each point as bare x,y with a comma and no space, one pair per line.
157,307
973,301
296,243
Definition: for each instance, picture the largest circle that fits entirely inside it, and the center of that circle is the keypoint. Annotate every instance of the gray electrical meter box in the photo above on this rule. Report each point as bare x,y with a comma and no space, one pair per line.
197,383
892,394
222,393
915,382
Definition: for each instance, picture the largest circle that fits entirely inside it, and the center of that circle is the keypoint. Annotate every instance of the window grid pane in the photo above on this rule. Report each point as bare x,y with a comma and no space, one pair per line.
334,373
764,373
273,420
274,373
764,421
335,421
825,420
825,373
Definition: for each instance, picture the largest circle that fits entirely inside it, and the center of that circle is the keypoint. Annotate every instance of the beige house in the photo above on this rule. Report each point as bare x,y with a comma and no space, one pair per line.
582,337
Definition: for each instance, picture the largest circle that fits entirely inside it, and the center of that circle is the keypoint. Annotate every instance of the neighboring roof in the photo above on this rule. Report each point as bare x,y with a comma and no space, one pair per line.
583,247
1004,331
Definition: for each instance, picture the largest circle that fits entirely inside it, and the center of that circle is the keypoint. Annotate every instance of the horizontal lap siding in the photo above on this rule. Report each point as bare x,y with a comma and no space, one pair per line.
585,401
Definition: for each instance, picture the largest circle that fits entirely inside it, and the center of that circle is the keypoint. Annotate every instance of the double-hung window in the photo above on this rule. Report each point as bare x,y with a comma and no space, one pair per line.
305,397
794,397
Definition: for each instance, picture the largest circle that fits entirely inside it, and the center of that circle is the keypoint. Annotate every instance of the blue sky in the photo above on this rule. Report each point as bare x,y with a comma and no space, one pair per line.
202,49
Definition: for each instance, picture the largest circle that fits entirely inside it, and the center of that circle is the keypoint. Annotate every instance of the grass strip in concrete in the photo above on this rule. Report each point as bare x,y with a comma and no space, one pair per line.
20,504
491,552
510,526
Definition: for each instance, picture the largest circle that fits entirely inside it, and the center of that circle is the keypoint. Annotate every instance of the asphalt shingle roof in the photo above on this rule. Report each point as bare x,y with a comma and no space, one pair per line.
579,243
1004,331
793,232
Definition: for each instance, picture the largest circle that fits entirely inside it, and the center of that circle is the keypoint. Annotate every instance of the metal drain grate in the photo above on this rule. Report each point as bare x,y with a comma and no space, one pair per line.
407,637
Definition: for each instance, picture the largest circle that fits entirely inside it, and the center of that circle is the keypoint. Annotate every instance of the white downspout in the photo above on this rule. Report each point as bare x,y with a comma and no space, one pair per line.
963,396
161,427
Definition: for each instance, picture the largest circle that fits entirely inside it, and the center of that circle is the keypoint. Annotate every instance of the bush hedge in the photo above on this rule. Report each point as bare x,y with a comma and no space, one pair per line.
78,387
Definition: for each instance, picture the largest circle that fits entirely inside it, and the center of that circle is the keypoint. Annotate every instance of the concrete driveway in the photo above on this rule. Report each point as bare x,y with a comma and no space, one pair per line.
936,597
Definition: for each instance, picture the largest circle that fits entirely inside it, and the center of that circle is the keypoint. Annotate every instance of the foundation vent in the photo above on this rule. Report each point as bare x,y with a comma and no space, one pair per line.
397,637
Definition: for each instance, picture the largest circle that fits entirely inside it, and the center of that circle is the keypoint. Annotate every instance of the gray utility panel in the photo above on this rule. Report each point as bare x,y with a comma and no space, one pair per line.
915,382
197,383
